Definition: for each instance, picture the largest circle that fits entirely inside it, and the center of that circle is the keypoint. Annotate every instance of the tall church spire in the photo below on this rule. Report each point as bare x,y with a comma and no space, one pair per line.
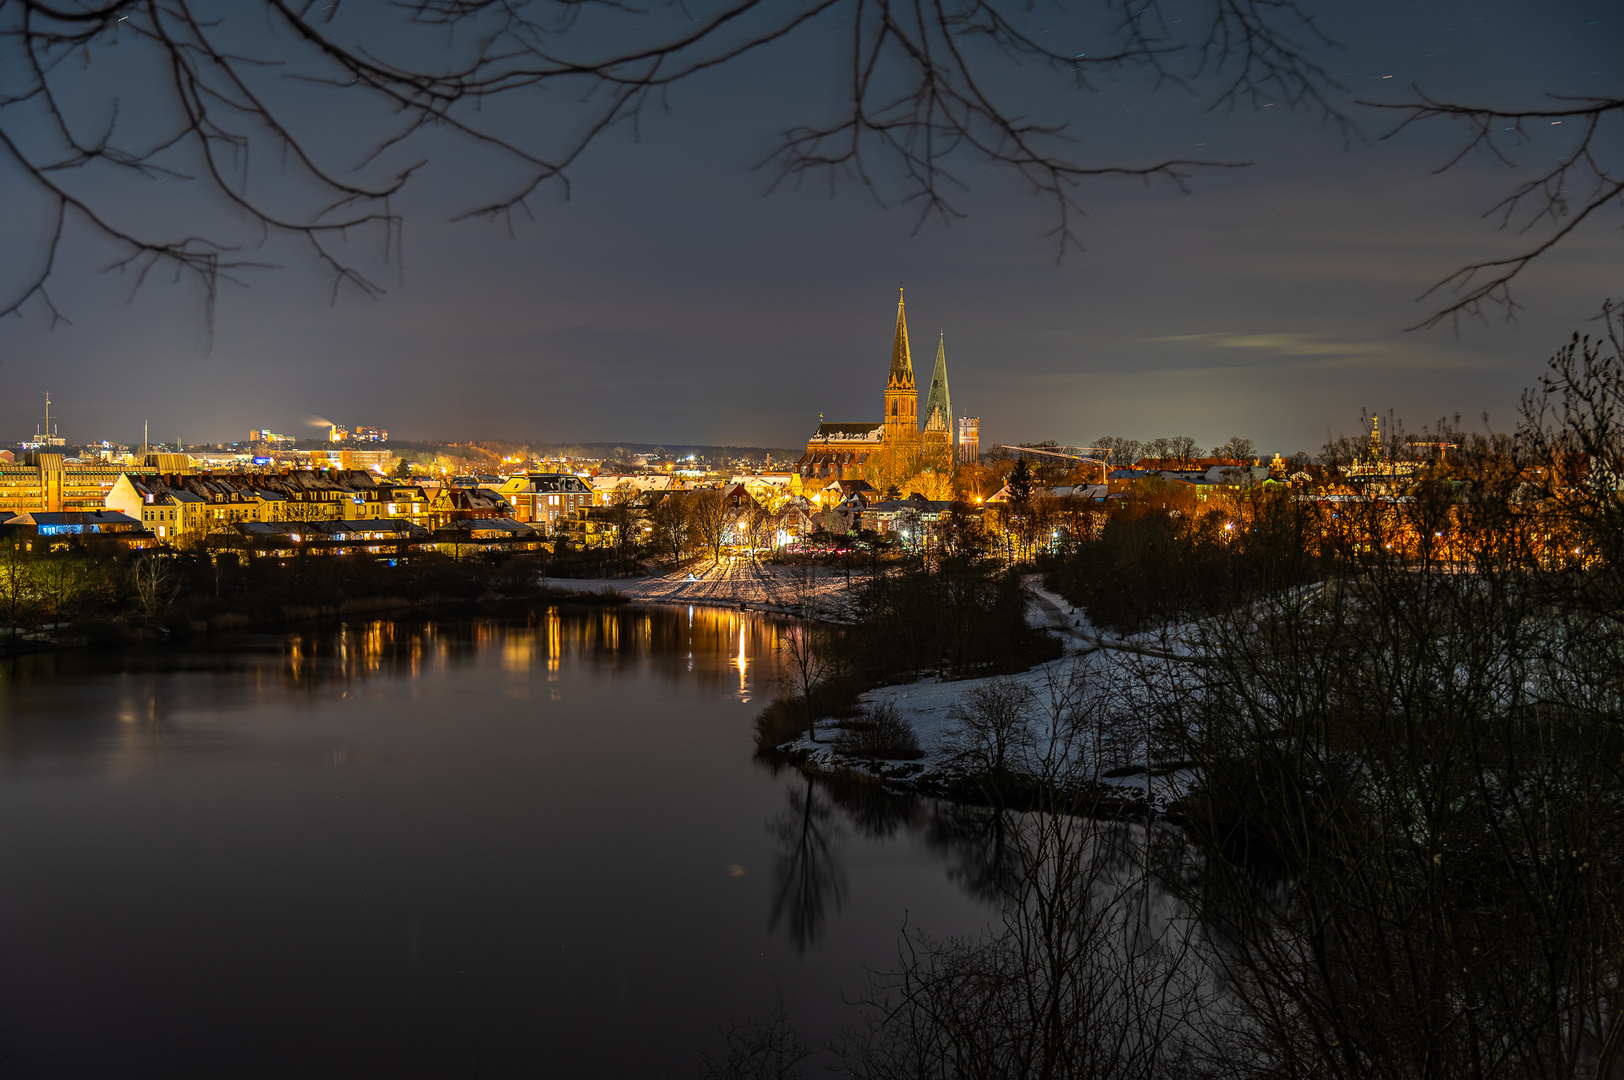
901,399
902,376
938,405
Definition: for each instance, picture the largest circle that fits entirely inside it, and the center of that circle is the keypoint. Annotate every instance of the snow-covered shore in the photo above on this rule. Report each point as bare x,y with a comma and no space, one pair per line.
929,704
1093,663
1113,760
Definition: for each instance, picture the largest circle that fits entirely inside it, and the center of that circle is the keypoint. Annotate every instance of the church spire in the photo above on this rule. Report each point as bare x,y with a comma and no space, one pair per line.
902,376
938,405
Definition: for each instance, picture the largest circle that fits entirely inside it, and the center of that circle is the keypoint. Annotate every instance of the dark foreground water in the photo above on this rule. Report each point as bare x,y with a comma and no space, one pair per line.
531,847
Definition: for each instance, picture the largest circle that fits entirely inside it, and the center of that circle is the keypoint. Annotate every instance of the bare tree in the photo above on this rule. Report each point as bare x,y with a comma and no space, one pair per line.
1183,450
808,666
1573,430
154,583
992,731
1122,452
767,1049
670,522
709,520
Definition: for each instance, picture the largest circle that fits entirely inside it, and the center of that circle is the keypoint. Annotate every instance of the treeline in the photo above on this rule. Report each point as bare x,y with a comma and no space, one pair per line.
104,595
1166,556
957,617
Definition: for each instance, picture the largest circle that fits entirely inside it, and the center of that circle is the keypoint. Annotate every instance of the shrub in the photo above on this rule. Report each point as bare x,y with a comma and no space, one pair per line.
881,732
780,722
785,717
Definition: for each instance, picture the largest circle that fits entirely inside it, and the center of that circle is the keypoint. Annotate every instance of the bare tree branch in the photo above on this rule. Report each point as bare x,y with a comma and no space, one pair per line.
1549,197
919,105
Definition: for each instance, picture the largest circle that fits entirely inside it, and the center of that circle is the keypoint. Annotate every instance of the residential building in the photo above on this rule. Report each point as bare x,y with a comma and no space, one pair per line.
604,486
386,539
175,505
460,535
468,504
546,499
600,526
66,526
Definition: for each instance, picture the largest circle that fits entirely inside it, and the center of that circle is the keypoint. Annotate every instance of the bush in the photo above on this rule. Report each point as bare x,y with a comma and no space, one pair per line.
784,718
880,732
780,722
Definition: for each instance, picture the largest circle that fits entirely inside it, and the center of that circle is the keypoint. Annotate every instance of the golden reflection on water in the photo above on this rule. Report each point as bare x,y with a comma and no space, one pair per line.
555,641
664,639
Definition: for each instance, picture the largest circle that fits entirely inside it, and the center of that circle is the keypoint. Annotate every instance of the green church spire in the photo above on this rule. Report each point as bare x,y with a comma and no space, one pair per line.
939,406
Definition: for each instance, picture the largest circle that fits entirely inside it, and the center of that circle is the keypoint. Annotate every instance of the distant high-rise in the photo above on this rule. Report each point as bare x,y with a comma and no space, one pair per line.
970,439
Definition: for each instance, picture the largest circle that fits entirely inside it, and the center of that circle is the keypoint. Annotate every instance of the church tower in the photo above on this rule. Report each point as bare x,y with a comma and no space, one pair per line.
938,434
901,397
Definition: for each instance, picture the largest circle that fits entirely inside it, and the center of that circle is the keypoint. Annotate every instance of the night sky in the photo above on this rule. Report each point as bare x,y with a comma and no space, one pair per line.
672,299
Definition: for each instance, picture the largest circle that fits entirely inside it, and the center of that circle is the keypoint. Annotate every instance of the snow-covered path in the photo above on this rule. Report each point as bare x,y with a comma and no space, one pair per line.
727,583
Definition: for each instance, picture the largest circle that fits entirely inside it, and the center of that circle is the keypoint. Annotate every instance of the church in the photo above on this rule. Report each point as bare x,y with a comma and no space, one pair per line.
896,447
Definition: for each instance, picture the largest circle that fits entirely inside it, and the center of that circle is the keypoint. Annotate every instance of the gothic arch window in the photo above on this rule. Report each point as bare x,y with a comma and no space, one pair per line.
893,408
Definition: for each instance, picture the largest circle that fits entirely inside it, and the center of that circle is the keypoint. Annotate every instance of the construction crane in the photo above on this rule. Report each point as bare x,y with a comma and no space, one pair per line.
1079,455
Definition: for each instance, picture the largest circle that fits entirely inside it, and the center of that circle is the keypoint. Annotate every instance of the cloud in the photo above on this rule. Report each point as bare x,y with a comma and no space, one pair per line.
1314,351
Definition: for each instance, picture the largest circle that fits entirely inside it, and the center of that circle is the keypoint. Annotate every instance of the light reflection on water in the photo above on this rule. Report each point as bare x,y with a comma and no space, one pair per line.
401,846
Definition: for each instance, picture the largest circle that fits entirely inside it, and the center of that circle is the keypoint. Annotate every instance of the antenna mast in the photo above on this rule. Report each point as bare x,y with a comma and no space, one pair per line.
45,438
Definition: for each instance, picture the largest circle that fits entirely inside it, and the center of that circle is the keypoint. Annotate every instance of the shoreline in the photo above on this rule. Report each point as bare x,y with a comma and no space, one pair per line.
293,616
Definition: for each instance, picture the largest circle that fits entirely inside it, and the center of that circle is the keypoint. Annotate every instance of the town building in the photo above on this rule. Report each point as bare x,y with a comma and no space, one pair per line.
970,439
546,499
605,485
895,446
55,529
284,538
452,504
176,505
47,482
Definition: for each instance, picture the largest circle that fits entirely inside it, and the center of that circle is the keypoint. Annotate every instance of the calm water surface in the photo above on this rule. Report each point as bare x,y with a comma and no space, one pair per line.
531,847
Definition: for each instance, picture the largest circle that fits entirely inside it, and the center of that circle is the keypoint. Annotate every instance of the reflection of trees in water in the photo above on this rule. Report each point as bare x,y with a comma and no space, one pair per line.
975,842
1092,968
808,881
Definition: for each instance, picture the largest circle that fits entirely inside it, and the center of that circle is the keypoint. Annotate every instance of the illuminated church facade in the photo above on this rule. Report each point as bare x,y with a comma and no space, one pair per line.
897,446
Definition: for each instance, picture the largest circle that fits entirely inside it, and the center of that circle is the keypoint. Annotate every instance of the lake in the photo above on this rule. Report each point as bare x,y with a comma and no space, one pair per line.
527,846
